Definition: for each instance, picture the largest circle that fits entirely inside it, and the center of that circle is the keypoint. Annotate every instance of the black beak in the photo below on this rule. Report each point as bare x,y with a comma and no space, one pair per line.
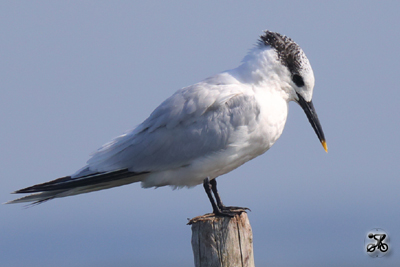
312,116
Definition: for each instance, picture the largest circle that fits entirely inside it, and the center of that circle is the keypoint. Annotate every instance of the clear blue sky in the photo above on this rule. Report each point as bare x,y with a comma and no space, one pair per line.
75,74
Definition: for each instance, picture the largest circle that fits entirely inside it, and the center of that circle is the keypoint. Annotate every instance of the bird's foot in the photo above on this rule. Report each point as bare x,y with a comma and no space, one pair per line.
235,209
224,212
230,211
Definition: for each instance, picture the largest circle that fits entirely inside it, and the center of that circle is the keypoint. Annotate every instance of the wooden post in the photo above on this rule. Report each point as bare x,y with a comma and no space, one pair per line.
222,241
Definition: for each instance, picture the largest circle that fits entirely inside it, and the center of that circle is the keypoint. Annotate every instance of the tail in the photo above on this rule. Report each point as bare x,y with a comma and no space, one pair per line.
68,186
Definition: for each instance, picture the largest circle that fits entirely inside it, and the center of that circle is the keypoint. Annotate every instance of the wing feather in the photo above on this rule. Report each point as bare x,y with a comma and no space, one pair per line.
194,122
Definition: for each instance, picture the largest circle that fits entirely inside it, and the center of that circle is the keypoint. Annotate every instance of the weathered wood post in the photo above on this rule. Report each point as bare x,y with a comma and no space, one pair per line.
222,241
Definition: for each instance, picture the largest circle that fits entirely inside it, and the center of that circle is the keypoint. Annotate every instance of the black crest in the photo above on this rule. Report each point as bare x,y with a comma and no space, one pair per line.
289,53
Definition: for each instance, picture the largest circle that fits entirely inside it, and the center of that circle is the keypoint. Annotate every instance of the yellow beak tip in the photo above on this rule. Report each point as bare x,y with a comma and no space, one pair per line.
325,146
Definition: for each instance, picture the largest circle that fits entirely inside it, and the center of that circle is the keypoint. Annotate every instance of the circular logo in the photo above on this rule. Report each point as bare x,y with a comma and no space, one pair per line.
376,243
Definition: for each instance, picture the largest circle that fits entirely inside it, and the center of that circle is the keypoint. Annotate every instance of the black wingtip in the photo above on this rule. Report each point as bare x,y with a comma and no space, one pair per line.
65,183
43,186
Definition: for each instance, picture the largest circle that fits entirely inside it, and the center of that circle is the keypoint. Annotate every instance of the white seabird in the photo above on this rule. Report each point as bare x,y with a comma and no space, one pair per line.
203,130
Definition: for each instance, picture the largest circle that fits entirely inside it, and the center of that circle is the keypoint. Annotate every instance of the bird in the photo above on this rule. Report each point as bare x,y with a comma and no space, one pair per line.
202,131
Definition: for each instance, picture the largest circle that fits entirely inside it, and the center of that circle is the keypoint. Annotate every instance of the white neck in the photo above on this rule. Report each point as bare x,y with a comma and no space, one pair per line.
262,69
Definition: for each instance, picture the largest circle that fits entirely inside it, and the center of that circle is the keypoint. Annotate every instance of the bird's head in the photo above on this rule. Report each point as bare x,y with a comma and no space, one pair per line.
298,75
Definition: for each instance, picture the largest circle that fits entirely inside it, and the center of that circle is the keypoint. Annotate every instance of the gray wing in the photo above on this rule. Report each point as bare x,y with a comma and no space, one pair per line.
196,121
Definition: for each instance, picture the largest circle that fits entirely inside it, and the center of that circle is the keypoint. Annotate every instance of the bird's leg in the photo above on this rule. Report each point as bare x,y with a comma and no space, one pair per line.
213,184
220,205
207,188
216,209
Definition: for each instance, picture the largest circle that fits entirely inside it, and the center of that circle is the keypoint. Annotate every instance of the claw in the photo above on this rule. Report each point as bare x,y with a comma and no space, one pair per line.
235,209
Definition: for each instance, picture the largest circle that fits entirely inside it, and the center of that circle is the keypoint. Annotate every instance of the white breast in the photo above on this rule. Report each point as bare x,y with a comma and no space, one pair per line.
246,142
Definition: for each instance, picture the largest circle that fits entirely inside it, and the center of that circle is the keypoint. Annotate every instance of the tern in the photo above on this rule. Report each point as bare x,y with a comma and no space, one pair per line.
204,130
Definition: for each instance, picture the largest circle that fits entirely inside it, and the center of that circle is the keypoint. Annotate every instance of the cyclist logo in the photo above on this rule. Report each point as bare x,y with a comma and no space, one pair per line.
380,243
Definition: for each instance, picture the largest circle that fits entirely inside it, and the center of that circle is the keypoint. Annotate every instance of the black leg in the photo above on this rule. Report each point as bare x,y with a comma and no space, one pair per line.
213,183
218,207
207,187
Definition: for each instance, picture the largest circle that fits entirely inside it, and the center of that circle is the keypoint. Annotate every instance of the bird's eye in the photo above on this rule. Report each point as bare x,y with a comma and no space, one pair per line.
298,80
